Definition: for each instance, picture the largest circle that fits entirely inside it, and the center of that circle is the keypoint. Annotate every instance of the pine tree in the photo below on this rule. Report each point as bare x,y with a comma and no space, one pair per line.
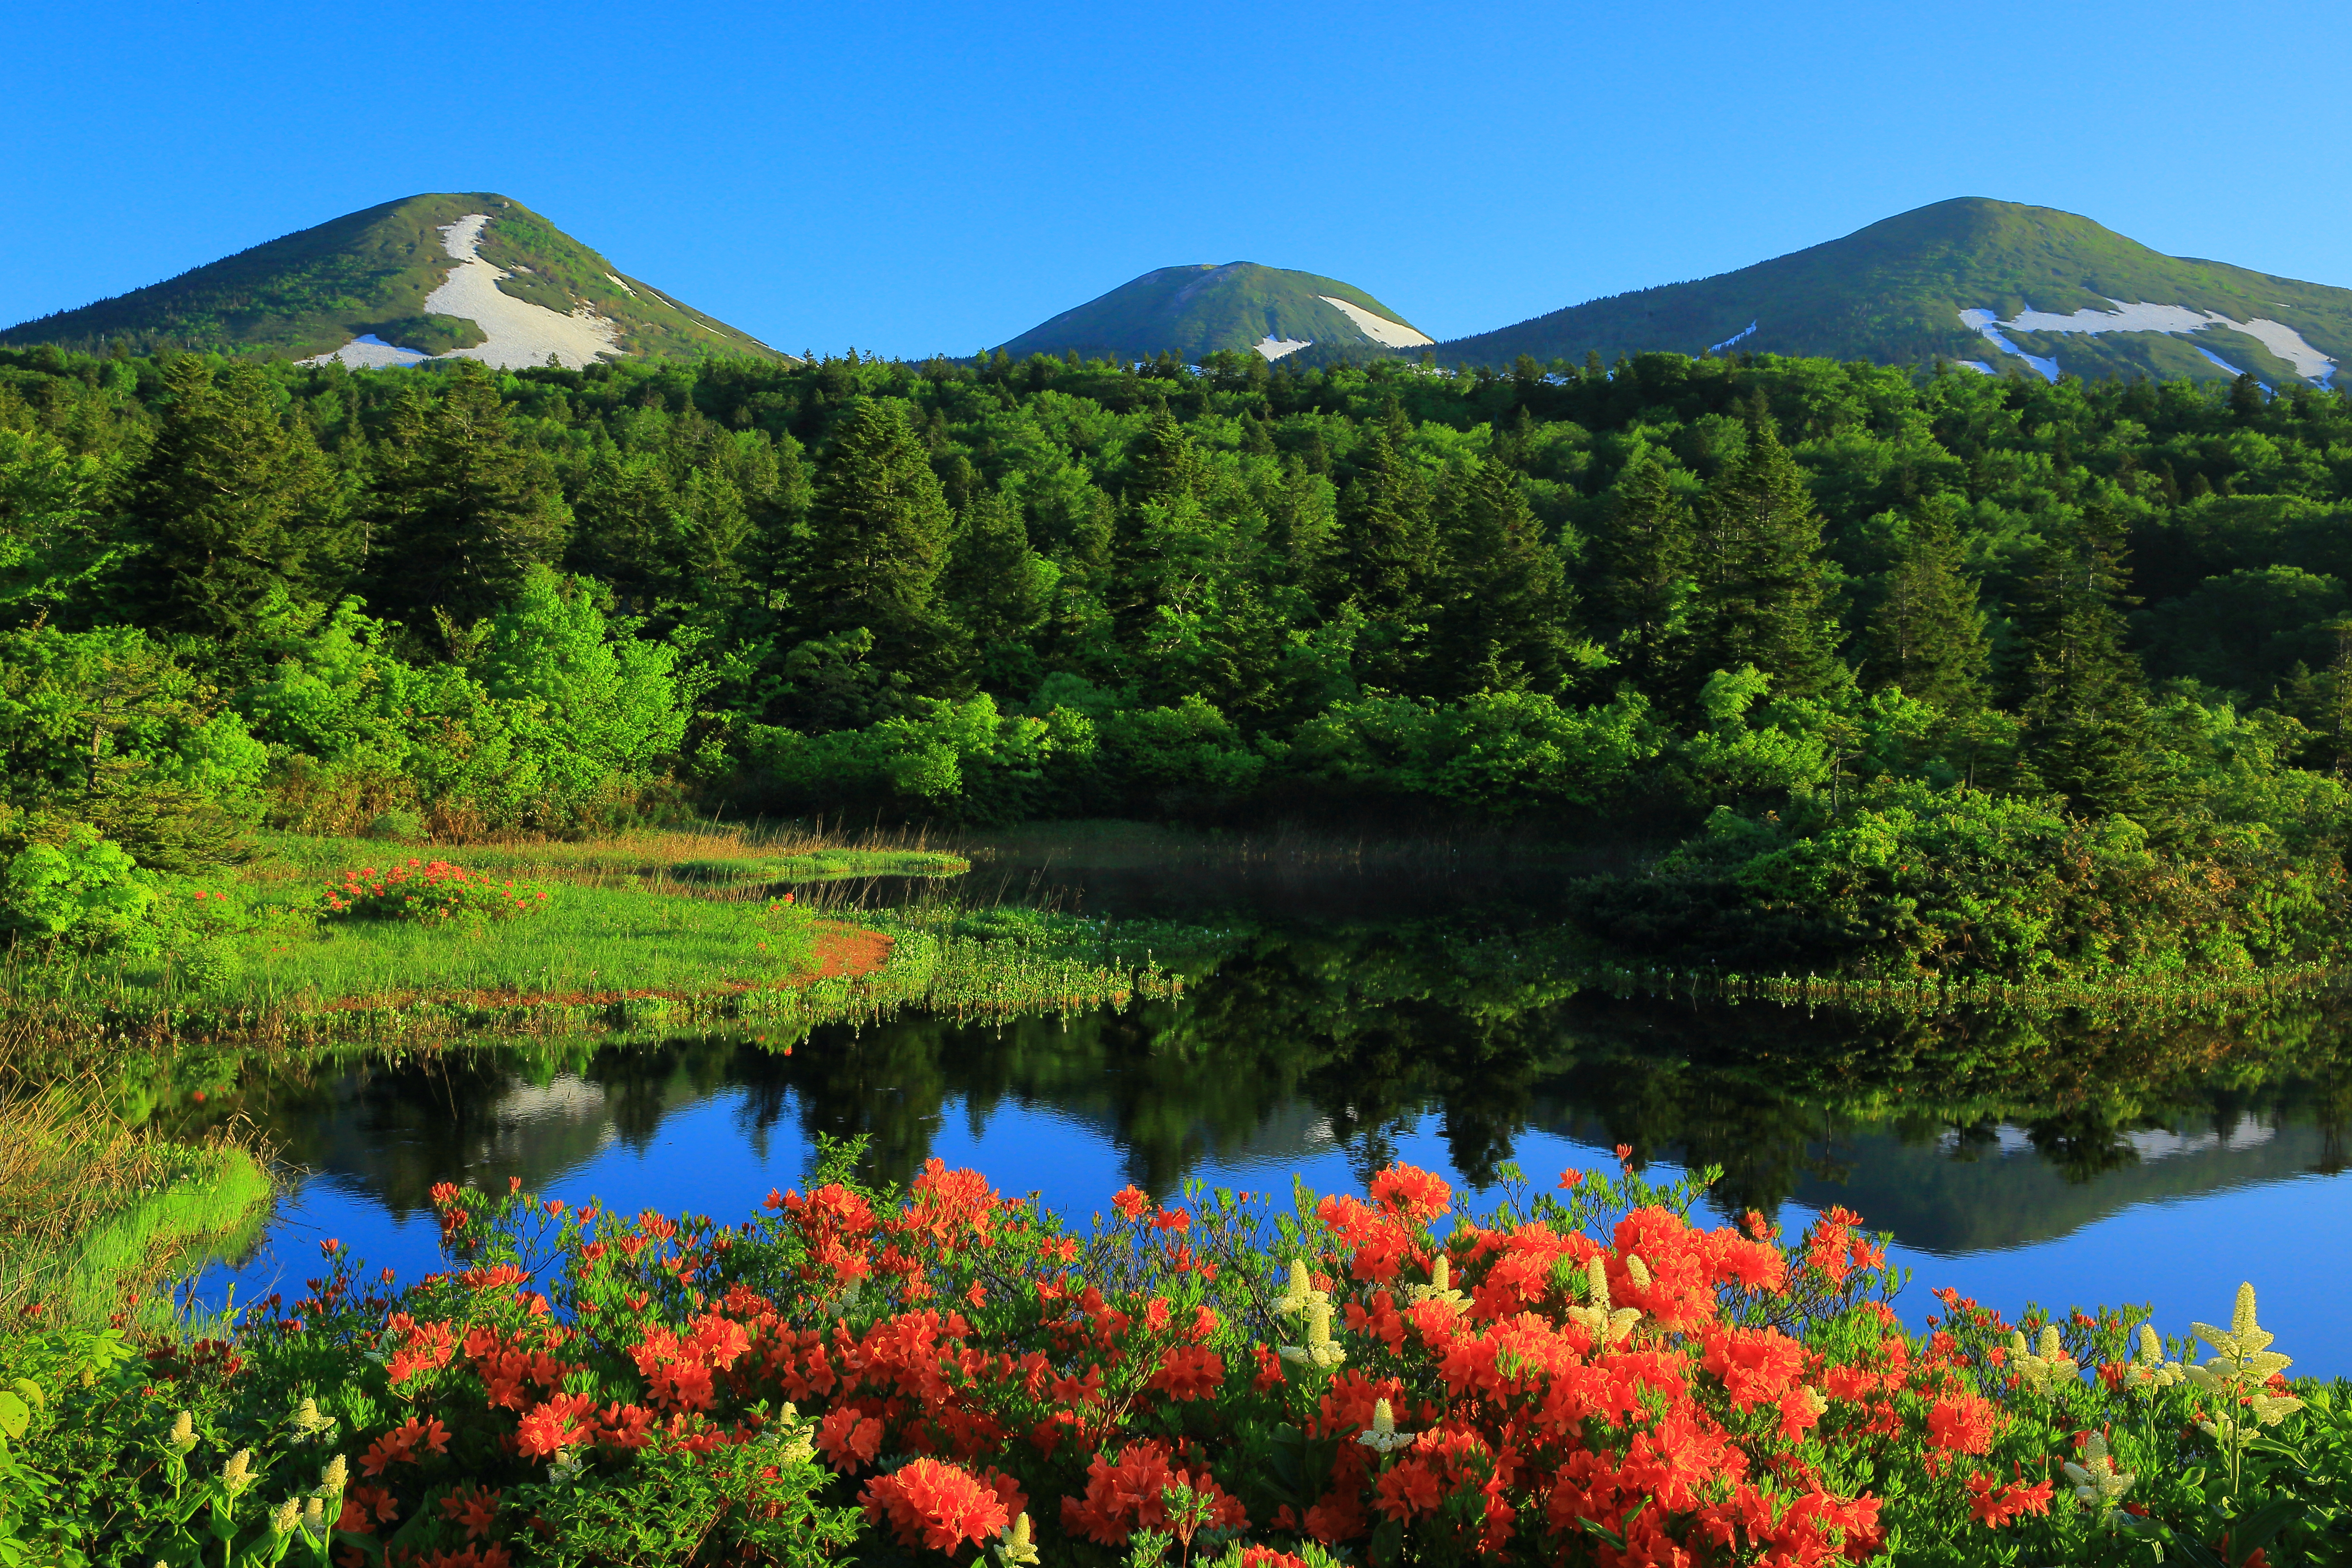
1763,582
1503,620
879,532
1641,587
1927,635
235,503
2078,689
461,513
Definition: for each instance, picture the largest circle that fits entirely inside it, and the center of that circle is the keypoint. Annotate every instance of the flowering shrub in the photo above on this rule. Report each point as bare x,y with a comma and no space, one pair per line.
430,890
1580,1378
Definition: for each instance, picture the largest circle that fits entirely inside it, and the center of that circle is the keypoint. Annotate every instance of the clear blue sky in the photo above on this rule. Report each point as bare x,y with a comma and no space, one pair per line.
919,177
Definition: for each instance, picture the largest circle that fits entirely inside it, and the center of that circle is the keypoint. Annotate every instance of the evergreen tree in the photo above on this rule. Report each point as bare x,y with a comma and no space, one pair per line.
233,504
1504,621
627,521
1386,560
1162,463
1641,588
2077,689
999,590
460,512
1763,582
879,531
1927,635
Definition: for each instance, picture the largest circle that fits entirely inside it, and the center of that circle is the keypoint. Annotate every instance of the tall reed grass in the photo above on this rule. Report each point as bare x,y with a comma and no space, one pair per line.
93,1209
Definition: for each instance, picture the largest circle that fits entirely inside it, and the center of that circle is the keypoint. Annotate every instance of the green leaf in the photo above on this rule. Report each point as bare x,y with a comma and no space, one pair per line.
15,1415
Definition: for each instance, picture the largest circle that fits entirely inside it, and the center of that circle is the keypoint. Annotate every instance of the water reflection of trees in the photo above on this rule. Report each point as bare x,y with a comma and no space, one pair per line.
1354,1036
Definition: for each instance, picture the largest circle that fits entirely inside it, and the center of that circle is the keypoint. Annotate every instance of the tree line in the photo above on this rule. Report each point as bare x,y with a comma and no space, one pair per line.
1789,612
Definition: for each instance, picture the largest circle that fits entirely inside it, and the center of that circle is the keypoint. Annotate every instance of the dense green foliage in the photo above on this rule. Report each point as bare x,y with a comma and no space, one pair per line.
368,274
1194,311
1949,674
1893,293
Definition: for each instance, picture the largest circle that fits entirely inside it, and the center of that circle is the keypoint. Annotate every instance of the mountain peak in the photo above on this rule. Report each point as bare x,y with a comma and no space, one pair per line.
1203,308
475,274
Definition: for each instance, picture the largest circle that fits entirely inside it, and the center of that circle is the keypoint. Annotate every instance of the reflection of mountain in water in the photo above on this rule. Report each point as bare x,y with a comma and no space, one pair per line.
1992,1186
394,1129
1960,1132
1956,1196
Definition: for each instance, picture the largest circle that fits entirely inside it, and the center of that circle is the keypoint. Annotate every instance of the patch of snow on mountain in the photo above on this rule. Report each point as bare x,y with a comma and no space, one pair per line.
2226,365
1718,348
1977,365
1379,329
368,352
1981,322
2287,343
520,334
1274,348
2177,321
624,288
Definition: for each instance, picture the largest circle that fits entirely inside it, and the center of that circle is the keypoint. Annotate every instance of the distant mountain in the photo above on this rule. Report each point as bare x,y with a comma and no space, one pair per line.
475,275
1197,310
2000,288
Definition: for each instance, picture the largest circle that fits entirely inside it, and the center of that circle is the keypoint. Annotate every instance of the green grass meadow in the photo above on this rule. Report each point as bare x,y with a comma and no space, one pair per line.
678,913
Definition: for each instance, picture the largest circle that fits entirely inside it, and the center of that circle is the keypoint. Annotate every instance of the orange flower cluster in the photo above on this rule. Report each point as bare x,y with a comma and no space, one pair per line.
939,1505
429,890
1544,1386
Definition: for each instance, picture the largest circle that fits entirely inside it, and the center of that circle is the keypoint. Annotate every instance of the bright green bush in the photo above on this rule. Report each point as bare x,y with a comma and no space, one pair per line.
1500,751
85,890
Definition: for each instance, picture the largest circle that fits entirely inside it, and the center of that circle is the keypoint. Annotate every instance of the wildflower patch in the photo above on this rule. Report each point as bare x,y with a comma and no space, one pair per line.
429,891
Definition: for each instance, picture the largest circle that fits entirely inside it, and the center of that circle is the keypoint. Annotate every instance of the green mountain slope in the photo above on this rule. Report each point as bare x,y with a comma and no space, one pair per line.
369,274
1200,309
1894,293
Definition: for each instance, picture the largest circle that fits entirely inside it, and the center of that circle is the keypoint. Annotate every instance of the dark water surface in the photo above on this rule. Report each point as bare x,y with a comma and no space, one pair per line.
2066,1160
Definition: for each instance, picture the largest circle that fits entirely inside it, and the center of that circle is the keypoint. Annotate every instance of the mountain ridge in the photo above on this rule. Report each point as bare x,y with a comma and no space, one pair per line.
2000,286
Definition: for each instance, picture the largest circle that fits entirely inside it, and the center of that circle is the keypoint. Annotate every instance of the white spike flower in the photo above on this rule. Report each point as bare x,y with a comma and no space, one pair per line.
238,1472
1299,1292
2044,1365
2098,1485
285,1517
331,1478
1607,1325
183,1432
1320,1349
1017,1551
1440,1288
1384,1438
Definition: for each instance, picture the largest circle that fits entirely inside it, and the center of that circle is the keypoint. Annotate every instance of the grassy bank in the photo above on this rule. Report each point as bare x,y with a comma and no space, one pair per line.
94,1208
669,916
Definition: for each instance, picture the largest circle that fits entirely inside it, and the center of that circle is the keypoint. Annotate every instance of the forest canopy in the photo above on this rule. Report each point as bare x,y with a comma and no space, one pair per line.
1939,672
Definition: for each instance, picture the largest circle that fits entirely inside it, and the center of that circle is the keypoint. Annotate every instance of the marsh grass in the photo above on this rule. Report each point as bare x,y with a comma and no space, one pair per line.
666,858
94,1209
2161,992
652,912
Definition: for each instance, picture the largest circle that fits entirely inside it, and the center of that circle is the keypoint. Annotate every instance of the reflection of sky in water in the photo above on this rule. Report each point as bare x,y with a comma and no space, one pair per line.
2184,1254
